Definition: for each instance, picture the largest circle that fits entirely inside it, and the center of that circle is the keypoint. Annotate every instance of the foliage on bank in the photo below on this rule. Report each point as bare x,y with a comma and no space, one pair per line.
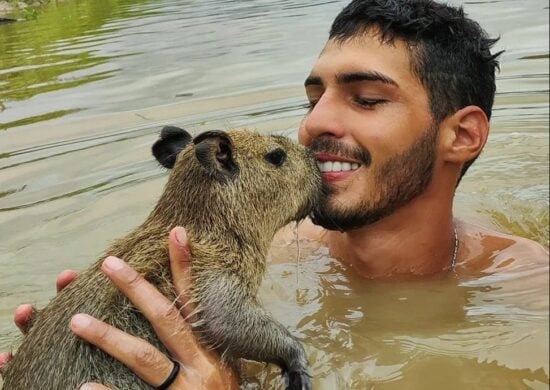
28,9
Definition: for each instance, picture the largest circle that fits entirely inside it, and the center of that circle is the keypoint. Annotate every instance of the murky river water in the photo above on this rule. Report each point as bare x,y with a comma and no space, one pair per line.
80,89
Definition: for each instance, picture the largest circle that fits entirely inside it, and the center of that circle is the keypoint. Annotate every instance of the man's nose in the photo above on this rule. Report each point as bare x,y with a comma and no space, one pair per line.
326,118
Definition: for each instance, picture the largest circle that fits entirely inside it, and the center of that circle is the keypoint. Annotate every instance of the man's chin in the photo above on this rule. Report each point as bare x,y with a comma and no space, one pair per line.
323,221
330,215
341,221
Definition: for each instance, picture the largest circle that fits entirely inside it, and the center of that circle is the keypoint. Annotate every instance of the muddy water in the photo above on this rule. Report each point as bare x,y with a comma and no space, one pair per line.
85,87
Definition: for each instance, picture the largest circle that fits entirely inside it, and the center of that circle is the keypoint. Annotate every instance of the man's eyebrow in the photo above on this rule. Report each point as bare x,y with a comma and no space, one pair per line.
353,77
346,78
313,80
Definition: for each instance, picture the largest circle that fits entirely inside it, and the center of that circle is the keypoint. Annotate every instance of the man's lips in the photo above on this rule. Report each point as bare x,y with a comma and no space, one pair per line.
332,164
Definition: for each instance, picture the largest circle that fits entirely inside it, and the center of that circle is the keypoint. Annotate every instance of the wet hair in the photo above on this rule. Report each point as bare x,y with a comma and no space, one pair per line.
449,53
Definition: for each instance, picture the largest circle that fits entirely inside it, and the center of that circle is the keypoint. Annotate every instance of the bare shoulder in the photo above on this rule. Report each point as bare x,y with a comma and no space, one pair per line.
484,249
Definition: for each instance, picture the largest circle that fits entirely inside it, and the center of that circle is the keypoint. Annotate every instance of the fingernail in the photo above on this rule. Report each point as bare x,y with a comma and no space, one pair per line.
87,386
5,357
23,310
113,263
80,321
181,235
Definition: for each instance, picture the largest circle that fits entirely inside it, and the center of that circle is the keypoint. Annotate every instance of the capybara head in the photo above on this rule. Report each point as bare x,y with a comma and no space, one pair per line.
238,178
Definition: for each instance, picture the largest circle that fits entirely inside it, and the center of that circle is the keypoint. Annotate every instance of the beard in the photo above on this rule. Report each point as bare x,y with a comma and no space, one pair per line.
401,179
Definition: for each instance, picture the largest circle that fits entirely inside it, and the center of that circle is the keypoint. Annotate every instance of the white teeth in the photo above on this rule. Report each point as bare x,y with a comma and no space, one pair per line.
337,166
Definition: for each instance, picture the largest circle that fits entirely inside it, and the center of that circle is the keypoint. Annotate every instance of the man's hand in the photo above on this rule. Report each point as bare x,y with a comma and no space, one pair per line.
200,369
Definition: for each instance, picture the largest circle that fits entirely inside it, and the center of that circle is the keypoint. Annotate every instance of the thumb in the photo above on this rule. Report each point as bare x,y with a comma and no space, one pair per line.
5,358
180,265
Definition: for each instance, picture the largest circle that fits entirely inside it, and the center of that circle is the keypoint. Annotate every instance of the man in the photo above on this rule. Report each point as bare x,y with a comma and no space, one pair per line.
403,90
400,102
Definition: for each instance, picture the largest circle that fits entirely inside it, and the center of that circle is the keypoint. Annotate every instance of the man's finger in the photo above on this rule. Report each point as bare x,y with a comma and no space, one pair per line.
65,278
23,317
93,386
180,265
163,314
142,358
5,357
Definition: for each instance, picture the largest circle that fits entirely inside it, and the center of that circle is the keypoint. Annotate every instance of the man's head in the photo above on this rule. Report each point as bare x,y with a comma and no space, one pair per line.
449,53
392,76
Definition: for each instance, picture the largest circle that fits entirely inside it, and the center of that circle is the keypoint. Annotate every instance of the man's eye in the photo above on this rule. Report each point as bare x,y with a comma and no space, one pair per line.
368,103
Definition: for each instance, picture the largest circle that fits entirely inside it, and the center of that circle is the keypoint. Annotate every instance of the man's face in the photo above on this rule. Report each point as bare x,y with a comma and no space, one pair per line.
371,130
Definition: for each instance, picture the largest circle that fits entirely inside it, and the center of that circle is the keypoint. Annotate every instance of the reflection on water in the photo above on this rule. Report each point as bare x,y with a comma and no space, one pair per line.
115,55
79,92
487,333
60,50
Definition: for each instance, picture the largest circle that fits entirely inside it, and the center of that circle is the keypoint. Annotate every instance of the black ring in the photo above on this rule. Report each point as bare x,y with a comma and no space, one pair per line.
172,377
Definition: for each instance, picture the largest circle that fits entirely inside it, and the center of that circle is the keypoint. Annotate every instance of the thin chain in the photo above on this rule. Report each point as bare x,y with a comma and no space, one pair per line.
455,250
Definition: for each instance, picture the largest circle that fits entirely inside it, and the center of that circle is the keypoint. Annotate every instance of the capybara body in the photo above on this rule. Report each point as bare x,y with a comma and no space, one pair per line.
231,191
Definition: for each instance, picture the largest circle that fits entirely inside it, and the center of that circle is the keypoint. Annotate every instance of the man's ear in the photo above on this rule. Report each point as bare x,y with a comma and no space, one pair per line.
214,151
172,141
464,134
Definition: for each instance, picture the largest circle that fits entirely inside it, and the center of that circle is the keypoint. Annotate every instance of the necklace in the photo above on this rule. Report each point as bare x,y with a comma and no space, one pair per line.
455,250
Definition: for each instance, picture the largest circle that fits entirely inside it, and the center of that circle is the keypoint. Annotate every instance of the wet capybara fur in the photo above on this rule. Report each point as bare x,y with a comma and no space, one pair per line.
232,191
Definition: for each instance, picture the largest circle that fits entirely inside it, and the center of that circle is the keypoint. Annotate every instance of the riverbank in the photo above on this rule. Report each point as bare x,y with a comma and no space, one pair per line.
10,8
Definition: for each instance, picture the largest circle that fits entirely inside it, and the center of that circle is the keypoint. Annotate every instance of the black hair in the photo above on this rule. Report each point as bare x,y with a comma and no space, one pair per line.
449,53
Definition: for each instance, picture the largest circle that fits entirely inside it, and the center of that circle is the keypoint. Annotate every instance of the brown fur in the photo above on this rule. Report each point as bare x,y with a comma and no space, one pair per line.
230,224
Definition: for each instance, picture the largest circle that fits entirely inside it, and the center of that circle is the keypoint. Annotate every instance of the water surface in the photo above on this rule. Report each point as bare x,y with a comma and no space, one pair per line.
85,87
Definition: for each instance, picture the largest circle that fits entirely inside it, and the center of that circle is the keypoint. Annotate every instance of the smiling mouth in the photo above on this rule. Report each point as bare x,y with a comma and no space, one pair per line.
337,166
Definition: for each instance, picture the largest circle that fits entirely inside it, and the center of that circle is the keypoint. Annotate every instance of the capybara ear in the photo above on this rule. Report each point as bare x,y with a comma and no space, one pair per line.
172,141
214,151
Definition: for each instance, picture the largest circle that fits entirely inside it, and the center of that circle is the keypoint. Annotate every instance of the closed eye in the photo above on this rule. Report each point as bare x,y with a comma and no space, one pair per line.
368,103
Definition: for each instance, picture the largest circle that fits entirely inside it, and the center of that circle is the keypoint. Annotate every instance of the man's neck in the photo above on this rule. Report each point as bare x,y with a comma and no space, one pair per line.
410,242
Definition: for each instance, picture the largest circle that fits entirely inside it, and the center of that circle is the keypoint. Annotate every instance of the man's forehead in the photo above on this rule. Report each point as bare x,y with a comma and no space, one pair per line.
363,54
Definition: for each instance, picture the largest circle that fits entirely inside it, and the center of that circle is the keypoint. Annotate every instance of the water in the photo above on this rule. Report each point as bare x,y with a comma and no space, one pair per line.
85,87
442,334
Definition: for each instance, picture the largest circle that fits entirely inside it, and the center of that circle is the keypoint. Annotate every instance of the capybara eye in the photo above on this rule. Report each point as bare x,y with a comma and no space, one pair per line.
276,157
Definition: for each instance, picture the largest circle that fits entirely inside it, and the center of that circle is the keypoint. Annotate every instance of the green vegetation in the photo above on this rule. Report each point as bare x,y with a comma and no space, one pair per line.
28,9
